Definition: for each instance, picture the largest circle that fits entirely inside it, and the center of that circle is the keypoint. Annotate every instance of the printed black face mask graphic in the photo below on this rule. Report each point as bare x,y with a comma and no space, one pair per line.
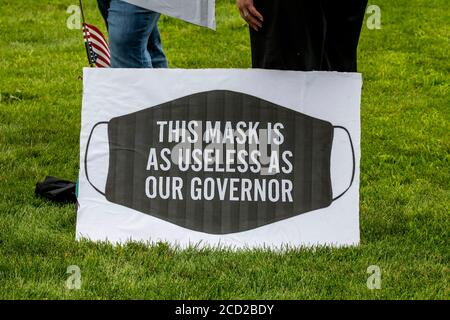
211,198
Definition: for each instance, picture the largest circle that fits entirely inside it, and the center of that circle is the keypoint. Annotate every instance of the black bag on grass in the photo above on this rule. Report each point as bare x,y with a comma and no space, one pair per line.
57,190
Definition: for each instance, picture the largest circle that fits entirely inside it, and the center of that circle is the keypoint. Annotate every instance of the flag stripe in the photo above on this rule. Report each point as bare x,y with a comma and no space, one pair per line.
99,39
103,58
99,63
99,58
98,46
94,28
97,33
101,44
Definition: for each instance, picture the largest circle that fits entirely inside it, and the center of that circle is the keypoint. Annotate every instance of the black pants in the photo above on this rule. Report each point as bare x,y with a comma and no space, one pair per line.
308,34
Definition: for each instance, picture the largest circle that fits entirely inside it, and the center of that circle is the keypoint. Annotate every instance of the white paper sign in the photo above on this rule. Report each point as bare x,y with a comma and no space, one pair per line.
199,12
228,157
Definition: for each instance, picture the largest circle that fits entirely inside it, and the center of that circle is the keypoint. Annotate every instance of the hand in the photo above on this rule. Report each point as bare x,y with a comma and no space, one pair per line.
250,14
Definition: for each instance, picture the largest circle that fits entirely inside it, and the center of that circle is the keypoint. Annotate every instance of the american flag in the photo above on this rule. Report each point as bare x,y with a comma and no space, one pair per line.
96,46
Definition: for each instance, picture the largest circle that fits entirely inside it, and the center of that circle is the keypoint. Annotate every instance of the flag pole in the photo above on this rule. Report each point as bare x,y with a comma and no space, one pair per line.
86,44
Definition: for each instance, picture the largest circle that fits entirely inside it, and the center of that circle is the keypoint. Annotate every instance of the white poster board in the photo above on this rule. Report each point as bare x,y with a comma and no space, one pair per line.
199,12
306,194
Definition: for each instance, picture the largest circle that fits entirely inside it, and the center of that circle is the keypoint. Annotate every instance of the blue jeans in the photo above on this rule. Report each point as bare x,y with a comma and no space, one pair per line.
134,38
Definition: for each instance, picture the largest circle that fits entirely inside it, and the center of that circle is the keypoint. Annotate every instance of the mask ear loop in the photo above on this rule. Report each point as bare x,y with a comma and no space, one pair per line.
86,156
353,158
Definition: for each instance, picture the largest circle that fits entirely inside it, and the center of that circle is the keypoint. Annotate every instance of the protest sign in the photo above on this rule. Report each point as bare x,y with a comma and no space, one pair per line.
232,157
199,12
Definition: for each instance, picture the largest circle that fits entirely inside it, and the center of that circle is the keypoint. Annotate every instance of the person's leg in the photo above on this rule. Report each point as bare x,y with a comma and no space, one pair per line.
344,20
130,28
292,35
155,49
103,6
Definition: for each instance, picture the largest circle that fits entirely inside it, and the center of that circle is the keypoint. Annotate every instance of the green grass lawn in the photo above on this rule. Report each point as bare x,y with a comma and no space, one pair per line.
405,168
